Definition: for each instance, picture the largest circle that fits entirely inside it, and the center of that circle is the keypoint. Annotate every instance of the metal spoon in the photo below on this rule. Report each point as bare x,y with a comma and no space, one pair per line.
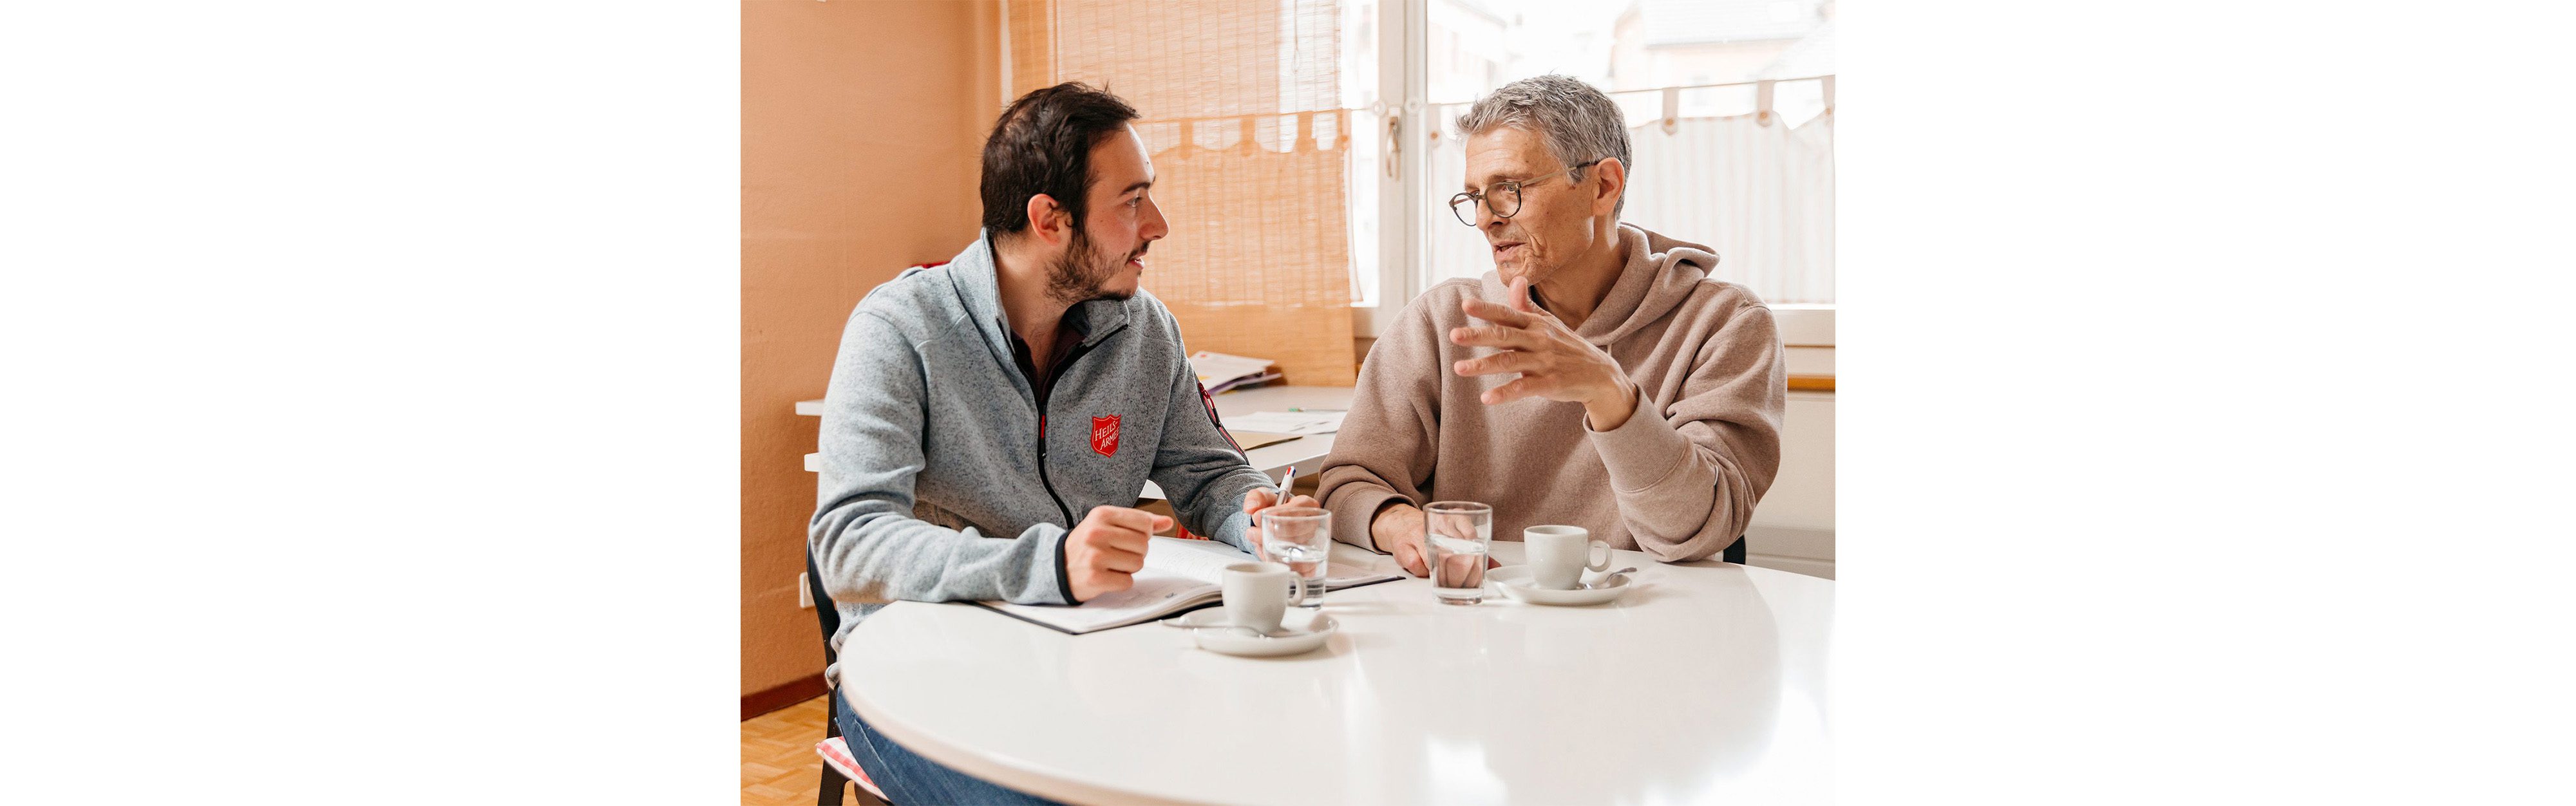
1604,581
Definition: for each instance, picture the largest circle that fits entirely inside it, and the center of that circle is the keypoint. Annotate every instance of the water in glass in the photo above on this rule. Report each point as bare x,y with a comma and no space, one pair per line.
1456,537
1301,538
1307,561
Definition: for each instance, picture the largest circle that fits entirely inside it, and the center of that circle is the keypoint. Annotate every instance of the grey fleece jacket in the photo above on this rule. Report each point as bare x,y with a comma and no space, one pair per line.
945,478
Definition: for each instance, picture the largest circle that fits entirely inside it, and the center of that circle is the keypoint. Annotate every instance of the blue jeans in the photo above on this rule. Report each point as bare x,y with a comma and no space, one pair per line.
907,778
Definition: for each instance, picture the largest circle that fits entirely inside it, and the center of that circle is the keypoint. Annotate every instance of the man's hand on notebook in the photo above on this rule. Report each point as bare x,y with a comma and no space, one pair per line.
1102,553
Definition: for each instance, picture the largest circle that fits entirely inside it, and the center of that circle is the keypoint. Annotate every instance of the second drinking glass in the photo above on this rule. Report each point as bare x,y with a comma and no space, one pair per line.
1456,537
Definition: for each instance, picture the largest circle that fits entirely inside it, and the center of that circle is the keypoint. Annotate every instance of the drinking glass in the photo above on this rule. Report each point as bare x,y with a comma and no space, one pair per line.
1300,538
1456,537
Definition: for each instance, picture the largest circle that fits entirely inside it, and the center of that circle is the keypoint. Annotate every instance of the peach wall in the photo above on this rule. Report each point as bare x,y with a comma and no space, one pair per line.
860,127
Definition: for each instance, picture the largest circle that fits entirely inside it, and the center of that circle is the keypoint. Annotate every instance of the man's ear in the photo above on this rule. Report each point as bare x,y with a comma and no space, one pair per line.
1048,220
1614,182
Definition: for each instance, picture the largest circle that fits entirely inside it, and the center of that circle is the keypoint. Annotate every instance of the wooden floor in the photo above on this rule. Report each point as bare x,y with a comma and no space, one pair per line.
778,762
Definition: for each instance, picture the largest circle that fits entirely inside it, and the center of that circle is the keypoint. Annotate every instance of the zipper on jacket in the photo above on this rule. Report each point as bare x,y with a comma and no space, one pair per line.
1054,375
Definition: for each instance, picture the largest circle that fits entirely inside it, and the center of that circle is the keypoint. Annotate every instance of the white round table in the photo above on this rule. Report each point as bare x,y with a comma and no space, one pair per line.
1704,685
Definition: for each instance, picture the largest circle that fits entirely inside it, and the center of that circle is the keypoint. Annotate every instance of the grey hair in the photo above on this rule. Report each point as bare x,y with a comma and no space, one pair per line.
1577,122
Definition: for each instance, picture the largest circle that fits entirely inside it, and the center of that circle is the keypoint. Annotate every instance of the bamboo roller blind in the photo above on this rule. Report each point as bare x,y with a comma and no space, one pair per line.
1240,102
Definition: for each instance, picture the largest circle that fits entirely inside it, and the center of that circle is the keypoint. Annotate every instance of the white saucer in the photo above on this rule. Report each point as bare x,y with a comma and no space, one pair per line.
1300,630
1515,582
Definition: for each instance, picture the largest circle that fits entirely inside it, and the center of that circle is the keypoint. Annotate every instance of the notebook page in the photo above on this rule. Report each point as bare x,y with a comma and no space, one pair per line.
1349,561
1154,591
1202,560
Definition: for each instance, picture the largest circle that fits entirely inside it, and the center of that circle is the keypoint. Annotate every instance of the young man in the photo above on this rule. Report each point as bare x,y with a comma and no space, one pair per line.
1598,377
990,420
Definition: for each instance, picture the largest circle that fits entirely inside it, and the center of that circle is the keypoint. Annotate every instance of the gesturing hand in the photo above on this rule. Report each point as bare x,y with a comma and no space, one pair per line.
1553,362
1102,553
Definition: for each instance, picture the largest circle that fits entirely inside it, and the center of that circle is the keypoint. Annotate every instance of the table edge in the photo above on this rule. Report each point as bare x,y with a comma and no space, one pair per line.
990,768
984,765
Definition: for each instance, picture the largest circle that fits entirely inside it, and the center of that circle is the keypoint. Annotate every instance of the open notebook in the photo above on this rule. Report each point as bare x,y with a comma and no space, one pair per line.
1179,575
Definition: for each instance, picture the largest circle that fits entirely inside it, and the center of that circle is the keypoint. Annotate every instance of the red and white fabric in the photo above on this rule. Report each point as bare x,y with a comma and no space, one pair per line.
836,752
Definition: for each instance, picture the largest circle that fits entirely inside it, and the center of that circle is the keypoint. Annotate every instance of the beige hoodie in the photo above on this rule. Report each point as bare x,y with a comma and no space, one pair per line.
1678,480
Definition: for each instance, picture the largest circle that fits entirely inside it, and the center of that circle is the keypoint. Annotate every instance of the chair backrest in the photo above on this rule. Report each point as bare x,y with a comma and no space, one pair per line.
824,611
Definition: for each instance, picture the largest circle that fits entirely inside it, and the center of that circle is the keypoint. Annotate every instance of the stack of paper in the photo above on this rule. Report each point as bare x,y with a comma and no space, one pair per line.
1220,372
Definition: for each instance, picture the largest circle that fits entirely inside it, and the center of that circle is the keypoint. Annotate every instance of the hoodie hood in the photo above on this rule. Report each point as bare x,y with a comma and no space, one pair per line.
1660,274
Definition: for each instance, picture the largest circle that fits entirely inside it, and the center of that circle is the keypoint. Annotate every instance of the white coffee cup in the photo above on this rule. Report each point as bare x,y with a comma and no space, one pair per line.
1257,594
1558,555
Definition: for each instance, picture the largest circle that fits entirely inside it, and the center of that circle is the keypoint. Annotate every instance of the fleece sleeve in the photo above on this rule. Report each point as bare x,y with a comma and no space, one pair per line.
1198,466
866,544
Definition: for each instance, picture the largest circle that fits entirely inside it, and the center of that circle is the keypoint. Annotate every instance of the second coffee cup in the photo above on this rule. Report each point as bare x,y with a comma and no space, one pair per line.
1558,555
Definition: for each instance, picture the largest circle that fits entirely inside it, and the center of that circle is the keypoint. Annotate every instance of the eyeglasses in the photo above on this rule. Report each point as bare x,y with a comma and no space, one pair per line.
1504,198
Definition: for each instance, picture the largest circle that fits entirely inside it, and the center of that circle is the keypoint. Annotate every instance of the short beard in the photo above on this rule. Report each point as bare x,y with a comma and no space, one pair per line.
1075,277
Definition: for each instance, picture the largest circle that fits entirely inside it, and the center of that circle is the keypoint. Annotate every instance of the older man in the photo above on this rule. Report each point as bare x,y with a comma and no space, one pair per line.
1598,377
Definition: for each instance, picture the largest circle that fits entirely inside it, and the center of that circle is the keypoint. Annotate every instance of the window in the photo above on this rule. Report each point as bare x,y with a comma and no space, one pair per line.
1726,103
1317,136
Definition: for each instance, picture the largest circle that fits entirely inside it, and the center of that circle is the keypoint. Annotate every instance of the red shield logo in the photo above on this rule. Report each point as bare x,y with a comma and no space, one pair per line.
1104,435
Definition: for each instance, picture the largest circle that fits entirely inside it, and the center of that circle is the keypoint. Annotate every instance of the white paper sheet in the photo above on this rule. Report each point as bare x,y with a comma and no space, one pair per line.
1287,422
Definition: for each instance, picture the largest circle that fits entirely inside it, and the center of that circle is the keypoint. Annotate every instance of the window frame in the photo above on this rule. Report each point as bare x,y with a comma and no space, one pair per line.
1399,279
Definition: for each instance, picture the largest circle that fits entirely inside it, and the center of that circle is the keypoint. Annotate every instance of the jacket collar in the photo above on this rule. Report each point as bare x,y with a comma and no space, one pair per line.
976,276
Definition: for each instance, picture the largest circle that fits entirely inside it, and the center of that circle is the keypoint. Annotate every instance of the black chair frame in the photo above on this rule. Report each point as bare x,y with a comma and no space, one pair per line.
834,783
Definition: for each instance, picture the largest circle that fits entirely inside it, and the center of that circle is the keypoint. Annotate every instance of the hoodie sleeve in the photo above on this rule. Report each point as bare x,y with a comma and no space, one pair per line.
1384,452
1199,468
1686,472
866,544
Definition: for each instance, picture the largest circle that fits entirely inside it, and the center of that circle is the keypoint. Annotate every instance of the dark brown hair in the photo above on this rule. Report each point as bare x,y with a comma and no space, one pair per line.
1042,144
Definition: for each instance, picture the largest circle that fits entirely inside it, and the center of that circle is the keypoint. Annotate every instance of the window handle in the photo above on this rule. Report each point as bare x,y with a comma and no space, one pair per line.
1394,148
